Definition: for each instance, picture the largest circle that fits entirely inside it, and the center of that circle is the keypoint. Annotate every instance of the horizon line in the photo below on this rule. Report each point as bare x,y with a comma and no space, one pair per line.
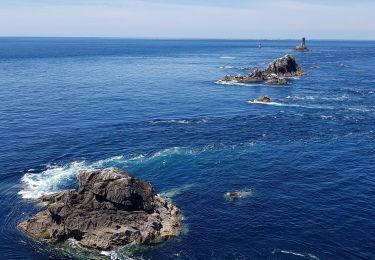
190,38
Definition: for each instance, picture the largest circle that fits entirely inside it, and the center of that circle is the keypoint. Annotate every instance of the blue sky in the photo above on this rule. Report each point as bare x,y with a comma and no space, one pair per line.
244,19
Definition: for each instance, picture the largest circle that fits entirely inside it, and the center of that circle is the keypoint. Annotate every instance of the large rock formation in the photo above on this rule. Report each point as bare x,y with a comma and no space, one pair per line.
277,72
285,66
110,208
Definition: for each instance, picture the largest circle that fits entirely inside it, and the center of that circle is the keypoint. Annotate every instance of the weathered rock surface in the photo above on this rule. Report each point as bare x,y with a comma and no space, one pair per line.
277,72
285,66
110,208
263,99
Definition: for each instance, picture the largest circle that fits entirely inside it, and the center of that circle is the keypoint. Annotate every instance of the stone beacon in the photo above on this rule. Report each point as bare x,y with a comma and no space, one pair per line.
301,46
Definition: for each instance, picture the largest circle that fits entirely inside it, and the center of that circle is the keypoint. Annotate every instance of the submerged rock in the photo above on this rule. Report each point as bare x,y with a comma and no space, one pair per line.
264,99
235,195
110,208
276,72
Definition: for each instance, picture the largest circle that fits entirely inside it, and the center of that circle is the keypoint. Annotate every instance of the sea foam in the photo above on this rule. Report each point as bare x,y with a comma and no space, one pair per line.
56,177
289,252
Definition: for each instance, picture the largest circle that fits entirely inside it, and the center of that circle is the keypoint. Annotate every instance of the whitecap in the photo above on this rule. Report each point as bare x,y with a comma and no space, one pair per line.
337,98
226,67
49,181
301,98
286,104
178,121
326,117
227,57
171,121
235,83
56,177
303,255
267,103
241,194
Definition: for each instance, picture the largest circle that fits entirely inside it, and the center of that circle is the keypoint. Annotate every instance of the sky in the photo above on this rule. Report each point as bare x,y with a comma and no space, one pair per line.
218,19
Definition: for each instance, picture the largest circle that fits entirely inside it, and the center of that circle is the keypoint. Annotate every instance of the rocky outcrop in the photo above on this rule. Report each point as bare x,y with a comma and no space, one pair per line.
110,208
276,73
263,99
284,67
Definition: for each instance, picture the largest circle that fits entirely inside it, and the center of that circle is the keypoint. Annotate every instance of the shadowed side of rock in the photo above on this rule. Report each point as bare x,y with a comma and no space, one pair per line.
110,208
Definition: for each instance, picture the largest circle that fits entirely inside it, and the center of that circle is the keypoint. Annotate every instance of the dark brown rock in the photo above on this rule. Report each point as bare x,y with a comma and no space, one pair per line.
263,99
285,66
110,208
277,72
275,80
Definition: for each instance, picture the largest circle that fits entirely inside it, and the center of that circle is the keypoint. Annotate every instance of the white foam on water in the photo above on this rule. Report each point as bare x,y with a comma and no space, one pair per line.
176,191
286,104
178,121
301,97
360,109
241,194
171,121
306,256
235,83
226,67
324,117
227,57
49,181
268,103
338,98
57,177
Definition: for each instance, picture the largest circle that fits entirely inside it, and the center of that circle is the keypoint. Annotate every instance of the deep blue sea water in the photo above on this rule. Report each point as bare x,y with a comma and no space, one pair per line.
152,107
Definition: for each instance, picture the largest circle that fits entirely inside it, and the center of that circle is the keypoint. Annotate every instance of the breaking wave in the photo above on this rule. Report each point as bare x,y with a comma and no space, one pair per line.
57,177
287,105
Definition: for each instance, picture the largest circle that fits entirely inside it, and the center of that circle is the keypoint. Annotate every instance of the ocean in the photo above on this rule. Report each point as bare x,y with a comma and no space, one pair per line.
154,108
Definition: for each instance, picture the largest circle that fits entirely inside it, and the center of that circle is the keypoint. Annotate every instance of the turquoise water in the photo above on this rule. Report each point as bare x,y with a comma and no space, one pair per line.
153,108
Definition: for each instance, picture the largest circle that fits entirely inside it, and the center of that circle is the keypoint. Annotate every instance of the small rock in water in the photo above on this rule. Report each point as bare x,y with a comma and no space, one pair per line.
235,195
109,209
263,99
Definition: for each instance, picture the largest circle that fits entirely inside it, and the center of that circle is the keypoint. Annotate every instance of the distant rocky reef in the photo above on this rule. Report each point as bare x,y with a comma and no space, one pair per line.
276,73
109,209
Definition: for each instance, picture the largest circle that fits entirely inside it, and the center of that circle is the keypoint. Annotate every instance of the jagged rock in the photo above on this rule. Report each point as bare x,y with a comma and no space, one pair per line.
110,208
285,66
277,72
263,99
